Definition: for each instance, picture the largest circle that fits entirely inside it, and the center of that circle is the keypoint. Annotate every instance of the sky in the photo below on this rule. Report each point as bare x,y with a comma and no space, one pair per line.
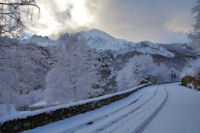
164,21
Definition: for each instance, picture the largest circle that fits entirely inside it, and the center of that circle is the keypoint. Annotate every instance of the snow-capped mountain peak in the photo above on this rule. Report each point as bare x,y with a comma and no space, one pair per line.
100,40
97,33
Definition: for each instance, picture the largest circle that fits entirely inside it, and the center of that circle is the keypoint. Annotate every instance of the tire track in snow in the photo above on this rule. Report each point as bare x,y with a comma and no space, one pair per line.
102,112
87,123
141,117
148,121
114,118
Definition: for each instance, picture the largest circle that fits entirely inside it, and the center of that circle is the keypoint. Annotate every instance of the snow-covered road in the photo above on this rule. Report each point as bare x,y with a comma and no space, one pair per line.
167,108
180,114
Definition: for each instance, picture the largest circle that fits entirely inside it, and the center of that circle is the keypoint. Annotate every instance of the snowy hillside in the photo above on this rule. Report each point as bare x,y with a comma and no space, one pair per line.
41,41
99,40
102,41
180,49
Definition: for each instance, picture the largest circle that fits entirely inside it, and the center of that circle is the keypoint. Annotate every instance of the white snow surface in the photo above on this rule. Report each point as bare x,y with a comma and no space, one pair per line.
180,114
167,108
153,48
41,103
102,41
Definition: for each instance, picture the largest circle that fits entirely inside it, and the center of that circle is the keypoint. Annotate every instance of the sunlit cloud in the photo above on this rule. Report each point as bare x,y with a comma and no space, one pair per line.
60,16
80,14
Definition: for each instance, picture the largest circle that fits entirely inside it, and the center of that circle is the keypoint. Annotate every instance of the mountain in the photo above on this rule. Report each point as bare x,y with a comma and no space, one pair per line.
41,41
121,50
180,49
100,40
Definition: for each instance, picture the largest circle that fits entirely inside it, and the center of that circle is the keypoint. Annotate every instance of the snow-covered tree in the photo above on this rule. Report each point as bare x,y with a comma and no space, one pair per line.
192,69
72,77
162,73
142,69
135,72
12,13
106,72
195,34
22,71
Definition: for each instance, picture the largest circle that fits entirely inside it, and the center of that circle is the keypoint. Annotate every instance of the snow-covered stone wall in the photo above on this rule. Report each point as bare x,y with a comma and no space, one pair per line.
45,116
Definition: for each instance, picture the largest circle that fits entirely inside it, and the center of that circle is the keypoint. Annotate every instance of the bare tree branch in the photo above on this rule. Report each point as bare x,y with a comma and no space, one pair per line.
11,12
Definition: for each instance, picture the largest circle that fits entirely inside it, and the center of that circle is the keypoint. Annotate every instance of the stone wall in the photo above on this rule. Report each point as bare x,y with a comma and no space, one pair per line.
30,122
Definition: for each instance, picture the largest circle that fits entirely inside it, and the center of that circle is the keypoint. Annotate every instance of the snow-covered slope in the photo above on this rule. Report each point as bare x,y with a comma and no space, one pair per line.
99,40
41,41
148,47
102,41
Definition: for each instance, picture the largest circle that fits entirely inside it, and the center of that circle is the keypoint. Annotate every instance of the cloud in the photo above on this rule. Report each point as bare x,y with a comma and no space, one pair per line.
61,16
180,24
135,20
139,20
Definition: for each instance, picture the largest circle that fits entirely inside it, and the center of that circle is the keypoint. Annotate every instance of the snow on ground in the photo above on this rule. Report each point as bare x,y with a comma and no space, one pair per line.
180,114
167,108
39,105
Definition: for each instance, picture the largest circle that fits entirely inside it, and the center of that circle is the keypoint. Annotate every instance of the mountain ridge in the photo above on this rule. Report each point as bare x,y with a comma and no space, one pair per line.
100,40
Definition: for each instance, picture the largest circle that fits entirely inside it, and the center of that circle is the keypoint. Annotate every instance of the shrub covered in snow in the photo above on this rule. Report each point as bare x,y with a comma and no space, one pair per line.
191,75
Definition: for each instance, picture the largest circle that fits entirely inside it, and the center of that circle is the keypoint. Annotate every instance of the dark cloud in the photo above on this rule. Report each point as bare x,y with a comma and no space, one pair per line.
139,20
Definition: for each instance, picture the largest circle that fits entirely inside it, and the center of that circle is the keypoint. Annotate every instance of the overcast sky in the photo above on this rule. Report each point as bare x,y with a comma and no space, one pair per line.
163,21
